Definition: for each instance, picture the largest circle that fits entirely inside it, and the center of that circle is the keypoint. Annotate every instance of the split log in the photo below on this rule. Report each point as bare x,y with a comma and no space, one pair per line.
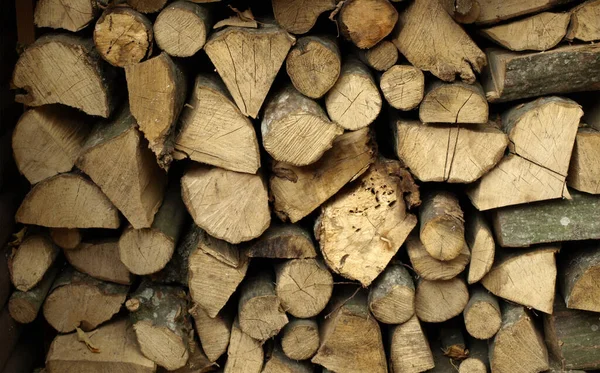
584,168
585,25
314,65
283,241
303,286
245,354
229,205
295,129
362,227
454,103
78,300
24,306
431,295
123,36
298,16
572,337
367,22
482,314
448,153
512,75
462,11
278,362
216,268
214,131
432,269
147,6
354,101
148,250
548,221
116,158
480,240
381,56
518,346
161,323
214,333
29,262
350,336
300,338
493,12
157,91
297,191
47,140
75,16
66,238
442,225
392,296
432,41
67,201
181,28
197,363
403,86
578,281
409,348
531,274
537,33
117,347
100,259
71,67
237,68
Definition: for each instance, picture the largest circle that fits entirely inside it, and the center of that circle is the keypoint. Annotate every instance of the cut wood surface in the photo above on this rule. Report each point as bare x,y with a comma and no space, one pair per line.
295,129
74,17
392,295
480,239
197,362
362,227
314,65
214,131
245,354
482,314
431,268
430,295
493,12
147,6
442,225
117,159
409,348
47,140
214,333
30,261
181,28
403,86
66,238
478,360
229,205
297,191
427,38
448,153
100,259
579,271
238,70
67,201
300,338
381,56
284,241
584,168
24,306
366,22
123,36
354,101
71,67
585,25
299,16
278,362
454,103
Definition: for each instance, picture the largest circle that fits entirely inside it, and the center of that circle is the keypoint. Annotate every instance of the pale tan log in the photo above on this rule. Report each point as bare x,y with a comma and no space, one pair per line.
214,333
238,69
75,16
299,16
462,11
482,314
431,41
442,225
66,238
30,260
492,12
283,241
431,268
297,191
197,363
47,140
366,22
454,103
213,130
123,36
147,6
381,57
584,168
478,360
303,286
100,259
67,201
300,338
68,354
585,22
362,227
71,67
295,129
245,354
439,301
392,296
229,205
527,277
578,281
24,306
117,159
409,348
480,240
354,101
403,86
278,362
181,28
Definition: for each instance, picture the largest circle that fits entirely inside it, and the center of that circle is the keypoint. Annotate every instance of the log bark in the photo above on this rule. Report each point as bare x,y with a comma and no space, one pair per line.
297,191
480,239
478,360
381,57
214,131
78,300
442,225
57,134
409,348
454,103
303,286
123,36
512,76
245,354
29,262
236,67
66,238
69,65
278,362
492,12
283,241
482,314
24,306
100,259
181,29
584,24
232,206
314,65
584,168
147,6
579,270
453,294
298,17
116,158
67,201
74,17
403,86
295,129
431,41
432,269
362,227
367,22
392,296
300,338
214,333
354,101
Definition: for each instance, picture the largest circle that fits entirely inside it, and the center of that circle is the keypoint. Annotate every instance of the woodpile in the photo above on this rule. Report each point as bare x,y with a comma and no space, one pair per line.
304,186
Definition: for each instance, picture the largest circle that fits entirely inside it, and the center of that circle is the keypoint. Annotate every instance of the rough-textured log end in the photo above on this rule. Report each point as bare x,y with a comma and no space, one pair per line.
453,294
367,22
181,28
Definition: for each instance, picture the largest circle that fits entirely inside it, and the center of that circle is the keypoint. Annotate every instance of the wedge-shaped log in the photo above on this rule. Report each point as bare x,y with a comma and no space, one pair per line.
584,168
403,86
100,259
392,296
381,57
480,239
578,282
585,25
299,16
29,262
493,12
181,28
367,22
431,295
283,241
245,354
214,333
74,17
431,268
24,306
454,103
300,339
482,314
409,348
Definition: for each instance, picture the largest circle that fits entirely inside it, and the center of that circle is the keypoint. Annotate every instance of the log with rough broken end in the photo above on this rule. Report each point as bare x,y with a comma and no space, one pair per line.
66,238
482,314
283,241
381,57
99,258
299,16
300,338
392,295
366,22
442,225
480,239
409,348
74,17
24,306
245,354
584,167
214,333
30,260
579,271
431,268
147,6
403,86
454,103
181,28
430,295
585,25
478,360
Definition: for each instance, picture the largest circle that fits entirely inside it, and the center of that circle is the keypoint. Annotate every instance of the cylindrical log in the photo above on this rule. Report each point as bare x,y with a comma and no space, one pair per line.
100,259
392,296
30,261
181,28
403,86
478,360
300,338
66,238
381,56
431,268
439,301
24,306
367,22
482,314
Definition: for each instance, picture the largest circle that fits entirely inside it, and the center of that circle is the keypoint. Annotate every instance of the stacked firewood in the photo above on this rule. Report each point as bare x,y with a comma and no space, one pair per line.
238,187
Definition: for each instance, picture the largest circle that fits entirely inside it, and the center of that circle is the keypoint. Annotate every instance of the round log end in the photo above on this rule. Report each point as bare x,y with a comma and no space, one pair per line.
145,251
